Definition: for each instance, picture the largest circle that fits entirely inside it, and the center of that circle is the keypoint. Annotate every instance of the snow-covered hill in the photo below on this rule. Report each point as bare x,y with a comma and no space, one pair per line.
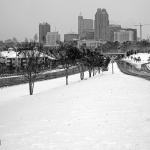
105,112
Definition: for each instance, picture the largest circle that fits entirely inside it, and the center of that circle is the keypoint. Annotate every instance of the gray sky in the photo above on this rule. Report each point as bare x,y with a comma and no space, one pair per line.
20,18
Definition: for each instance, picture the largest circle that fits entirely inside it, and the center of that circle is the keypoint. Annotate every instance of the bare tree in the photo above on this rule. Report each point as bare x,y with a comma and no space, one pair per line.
32,65
64,60
68,56
32,68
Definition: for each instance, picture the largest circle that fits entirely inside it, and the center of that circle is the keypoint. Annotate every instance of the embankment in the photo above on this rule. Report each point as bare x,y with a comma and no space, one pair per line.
130,69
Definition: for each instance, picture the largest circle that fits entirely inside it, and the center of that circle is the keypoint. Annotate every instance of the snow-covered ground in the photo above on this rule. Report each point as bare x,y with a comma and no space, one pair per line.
106,112
144,59
41,86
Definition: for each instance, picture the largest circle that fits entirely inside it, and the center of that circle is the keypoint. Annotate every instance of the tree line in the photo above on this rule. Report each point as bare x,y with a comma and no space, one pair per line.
67,55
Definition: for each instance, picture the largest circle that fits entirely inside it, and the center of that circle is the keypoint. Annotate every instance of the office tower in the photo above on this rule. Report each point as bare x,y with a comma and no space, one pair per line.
134,33
52,38
101,25
134,39
43,29
85,27
123,36
112,29
80,25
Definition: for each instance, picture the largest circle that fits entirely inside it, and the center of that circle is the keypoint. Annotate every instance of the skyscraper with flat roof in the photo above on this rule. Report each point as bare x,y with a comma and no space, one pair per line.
84,27
43,29
101,25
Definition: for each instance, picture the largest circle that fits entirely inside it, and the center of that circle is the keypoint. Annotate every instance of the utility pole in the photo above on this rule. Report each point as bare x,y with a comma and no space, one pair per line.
112,68
112,62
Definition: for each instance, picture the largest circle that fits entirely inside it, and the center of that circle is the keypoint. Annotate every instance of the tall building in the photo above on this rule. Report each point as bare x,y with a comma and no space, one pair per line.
101,25
43,29
123,36
84,26
126,34
52,38
134,33
80,25
112,29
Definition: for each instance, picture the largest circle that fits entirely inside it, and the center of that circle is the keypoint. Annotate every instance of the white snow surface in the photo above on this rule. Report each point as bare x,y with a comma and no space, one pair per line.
105,112
144,59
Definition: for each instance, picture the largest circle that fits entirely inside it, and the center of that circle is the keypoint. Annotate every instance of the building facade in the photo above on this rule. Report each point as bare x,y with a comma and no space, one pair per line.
112,29
70,37
123,36
134,33
101,25
90,43
52,38
43,29
88,34
85,26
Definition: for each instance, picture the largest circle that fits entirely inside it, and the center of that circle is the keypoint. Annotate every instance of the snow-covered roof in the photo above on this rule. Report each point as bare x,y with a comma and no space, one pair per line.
8,54
144,59
13,54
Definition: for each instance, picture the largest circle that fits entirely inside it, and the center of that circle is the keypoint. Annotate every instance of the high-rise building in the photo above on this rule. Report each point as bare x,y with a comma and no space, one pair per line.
52,38
43,29
134,33
80,25
126,34
101,25
84,26
123,36
112,29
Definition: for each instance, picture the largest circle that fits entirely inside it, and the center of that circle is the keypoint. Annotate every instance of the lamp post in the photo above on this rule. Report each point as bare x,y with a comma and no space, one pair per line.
112,62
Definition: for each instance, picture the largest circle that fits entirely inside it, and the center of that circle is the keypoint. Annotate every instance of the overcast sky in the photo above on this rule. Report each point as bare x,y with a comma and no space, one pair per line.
20,18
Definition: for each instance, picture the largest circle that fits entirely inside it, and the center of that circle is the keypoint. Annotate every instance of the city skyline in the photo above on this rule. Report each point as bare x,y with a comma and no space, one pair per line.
20,18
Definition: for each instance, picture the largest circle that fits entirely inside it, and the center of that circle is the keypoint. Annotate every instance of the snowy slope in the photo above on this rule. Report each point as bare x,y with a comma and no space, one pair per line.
106,112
